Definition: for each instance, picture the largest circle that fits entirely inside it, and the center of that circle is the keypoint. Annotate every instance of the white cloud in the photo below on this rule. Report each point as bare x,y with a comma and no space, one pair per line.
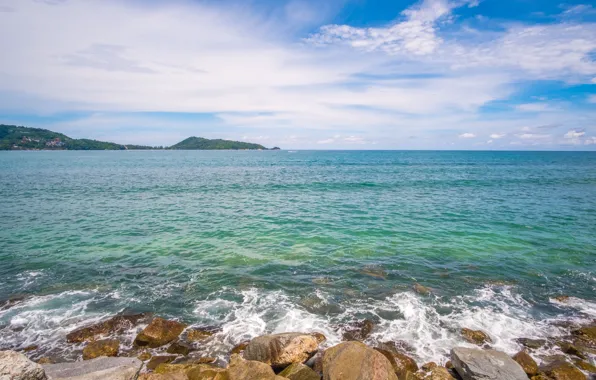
574,134
590,140
533,136
497,135
534,107
467,135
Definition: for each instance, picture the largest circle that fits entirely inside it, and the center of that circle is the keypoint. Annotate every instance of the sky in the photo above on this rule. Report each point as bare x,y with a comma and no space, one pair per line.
305,74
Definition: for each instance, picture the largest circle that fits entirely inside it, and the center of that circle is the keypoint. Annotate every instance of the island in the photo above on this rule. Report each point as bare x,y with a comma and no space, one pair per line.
14,137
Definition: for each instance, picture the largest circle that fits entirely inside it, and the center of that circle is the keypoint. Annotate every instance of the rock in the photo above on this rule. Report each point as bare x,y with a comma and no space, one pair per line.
449,365
162,376
586,335
584,365
96,369
570,349
561,370
359,331
475,336
179,348
321,338
531,343
476,364
400,362
197,335
16,366
45,360
114,325
562,299
106,347
316,363
195,360
375,272
12,301
527,363
144,356
356,361
240,369
160,359
439,373
159,332
33,347
298,371
421,289
205,372
281,350
429,366
240,347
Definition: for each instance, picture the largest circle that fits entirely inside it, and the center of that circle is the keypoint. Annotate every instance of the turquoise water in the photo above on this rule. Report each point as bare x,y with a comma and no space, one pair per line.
271,241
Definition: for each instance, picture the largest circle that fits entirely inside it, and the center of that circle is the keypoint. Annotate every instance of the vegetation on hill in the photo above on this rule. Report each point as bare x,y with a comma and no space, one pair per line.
202,143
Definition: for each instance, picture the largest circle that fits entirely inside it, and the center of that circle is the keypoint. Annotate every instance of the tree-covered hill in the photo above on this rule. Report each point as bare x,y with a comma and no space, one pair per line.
217,144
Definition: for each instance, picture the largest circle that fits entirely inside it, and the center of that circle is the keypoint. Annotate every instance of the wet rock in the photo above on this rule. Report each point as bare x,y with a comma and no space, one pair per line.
531,343
401,363
197,335
240,347
428,366
321,338
240,369
114,325
570,349
12,301
449,365
281,350
160,359
356,361
375,272
316,362
96,369
586,336
439,373
527,363
561,370
475,336
562,299
33,347
195,360
359,331
476,364
321,281
16,366
144,356
584,365
106,347
159,332
179,348
420,289
45,360
299,371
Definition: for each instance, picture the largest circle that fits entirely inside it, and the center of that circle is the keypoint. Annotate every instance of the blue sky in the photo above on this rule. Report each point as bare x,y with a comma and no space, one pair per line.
302,74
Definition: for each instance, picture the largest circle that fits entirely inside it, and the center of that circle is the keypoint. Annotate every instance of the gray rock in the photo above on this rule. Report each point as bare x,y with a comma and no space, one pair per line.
16,366
477,364
96,369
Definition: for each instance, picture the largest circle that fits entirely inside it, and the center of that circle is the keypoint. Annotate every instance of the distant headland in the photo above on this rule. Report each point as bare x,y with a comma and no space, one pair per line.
13,137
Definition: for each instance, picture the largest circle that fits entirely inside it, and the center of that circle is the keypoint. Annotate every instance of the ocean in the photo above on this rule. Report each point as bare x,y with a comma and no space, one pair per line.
253,242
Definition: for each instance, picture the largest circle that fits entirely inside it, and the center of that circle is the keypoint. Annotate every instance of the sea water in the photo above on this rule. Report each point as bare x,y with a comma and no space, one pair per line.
254,242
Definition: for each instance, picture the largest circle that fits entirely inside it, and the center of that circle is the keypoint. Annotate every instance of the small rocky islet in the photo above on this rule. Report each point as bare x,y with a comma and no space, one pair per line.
166,350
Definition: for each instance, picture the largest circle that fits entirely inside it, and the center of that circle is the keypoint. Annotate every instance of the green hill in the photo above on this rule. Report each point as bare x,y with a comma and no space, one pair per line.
200,143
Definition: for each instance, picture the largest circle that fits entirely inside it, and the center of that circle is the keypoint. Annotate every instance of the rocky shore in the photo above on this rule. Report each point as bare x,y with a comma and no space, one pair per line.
168,350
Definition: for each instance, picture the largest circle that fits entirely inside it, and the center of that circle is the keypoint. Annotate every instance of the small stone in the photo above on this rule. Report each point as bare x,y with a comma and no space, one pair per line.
527,363
561,370
106,347
359,331
179,348
531,343
144,356
298,371
562,298
475,336
159,332
420,289
16,366
160,359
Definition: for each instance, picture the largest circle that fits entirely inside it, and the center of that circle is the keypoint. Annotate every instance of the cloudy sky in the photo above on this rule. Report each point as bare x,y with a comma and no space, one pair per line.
305,74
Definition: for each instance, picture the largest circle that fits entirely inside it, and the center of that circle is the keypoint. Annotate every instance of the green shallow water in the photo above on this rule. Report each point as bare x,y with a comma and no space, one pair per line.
270,241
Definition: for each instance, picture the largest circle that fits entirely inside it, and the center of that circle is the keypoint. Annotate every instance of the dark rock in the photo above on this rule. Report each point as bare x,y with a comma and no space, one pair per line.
359,331
281,350
531,343
400,362
586,336
179,348
12,301
570,349
428,366
476,364
114,325
299,371
159,332
475,336
561,370
584,365
160,359
106,347
356,361
527,363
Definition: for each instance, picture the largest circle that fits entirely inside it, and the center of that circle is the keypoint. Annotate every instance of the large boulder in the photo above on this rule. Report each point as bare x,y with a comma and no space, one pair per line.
561,370
106,347
400,362
281,350
298,371
356,361
16,366
96,369
240,369
114,325
159,332
527,363
476,364
475,336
